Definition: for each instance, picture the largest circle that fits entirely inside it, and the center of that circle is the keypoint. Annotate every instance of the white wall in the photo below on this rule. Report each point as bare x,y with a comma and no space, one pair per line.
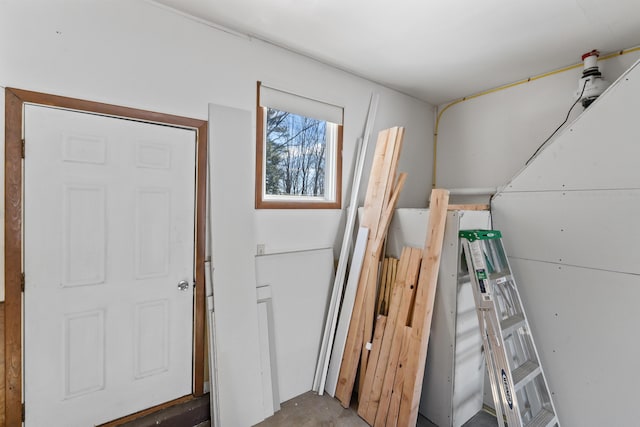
136,54
569,222
484,141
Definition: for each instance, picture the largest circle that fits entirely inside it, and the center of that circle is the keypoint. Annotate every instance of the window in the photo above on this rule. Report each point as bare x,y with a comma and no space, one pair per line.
298,152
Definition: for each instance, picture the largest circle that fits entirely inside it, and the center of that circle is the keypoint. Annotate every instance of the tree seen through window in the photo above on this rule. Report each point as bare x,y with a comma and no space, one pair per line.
295,154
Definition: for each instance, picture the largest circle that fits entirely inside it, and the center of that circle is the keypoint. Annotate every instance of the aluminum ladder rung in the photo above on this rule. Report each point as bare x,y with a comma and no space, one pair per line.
512,323
544,418
524,374
500,275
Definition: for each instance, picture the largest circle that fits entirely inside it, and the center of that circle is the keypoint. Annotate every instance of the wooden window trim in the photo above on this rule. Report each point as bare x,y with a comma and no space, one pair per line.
14,103
260,203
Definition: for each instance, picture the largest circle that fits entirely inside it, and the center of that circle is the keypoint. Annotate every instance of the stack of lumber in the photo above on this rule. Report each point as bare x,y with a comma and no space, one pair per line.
392,372
382,195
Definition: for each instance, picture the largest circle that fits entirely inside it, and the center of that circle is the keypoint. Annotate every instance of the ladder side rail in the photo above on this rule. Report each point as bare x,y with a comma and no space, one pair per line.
482,322
496,346
534,347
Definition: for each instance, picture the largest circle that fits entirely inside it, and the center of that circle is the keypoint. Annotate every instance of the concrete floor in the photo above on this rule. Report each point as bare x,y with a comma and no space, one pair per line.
311,410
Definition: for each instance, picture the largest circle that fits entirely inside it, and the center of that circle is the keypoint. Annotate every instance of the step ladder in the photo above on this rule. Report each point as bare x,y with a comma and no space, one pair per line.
519,388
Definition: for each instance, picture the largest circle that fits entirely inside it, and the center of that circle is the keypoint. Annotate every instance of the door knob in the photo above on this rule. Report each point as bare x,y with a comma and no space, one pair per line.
183,285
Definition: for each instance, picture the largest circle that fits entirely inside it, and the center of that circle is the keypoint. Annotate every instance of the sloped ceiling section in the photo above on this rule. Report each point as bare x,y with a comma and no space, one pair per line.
570,226
435,51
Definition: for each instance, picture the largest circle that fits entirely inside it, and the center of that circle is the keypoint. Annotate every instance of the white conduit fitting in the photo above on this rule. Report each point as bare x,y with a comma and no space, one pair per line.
481,191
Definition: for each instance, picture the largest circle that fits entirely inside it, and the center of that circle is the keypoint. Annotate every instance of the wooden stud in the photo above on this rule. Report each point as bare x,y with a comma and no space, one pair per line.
392,279
383,288
469,207
423,309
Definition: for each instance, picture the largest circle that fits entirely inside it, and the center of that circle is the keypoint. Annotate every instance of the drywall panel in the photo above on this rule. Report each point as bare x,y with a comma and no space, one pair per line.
437,385
408,227
584,323
300,289
484,141
599,150
581,228
568,222
234,281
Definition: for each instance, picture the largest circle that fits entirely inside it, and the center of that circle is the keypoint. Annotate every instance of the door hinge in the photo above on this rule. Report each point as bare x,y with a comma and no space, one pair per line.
22,143
23,412
22,281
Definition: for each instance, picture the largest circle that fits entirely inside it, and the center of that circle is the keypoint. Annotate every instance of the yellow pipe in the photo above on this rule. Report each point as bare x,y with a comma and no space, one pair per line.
507,86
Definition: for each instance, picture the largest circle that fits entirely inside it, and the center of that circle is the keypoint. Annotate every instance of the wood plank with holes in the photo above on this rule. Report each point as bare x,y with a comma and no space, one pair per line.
423,308
381,390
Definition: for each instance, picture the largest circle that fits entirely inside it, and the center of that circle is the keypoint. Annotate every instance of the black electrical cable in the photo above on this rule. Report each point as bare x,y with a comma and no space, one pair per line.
561,124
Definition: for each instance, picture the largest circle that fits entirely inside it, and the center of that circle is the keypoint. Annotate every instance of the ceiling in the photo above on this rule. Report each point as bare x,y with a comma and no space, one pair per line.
433,50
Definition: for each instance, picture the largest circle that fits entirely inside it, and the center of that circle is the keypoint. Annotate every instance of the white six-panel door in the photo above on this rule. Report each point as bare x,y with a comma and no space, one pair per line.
109,235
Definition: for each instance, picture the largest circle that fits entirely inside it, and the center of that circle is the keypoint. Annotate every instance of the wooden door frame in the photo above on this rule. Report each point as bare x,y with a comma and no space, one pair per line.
13,229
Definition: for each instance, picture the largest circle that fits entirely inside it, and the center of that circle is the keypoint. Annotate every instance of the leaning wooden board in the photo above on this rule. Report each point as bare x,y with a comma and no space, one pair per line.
423,309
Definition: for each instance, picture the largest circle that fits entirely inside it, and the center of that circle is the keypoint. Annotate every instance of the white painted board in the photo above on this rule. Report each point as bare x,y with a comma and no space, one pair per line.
268,365
346,309
300,287
582,228
234,282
